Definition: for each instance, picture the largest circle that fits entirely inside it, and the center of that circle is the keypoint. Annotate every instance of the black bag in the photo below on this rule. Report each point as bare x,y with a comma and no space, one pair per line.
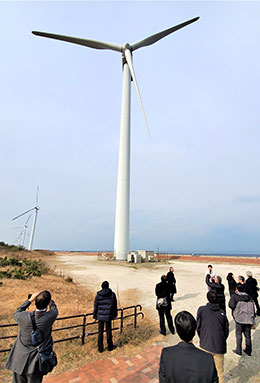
46,356
47,360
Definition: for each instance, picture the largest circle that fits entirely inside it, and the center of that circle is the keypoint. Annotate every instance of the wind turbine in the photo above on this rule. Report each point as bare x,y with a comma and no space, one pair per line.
121,238
36,208
24,228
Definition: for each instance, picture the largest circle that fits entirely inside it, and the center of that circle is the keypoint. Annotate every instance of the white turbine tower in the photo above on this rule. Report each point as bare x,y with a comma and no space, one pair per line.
21,238
36,208
121,239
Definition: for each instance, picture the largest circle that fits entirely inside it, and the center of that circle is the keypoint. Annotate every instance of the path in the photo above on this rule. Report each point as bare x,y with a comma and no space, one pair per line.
140,368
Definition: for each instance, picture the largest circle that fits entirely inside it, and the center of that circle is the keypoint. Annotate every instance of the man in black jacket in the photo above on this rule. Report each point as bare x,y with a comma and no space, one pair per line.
252,290
172,283
213,330
163,305
243,313
216,284
105,309
184,362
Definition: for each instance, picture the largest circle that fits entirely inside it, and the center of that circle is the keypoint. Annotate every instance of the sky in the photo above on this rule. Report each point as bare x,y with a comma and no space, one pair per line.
195,184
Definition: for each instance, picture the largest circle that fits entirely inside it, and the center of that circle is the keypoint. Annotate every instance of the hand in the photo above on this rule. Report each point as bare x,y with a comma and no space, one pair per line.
34,295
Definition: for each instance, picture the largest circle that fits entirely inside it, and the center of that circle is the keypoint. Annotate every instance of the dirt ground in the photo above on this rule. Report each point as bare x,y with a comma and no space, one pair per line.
191,293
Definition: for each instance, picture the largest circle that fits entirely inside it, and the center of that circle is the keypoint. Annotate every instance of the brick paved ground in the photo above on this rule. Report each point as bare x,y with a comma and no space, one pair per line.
141,368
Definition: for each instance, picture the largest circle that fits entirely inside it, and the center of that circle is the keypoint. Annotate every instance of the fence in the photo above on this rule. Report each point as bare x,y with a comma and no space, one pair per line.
121,318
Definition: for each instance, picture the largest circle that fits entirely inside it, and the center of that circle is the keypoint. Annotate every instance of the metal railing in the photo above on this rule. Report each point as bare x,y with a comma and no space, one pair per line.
85,325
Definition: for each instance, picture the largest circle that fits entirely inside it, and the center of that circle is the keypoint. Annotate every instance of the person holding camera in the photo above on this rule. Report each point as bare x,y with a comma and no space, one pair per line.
23,357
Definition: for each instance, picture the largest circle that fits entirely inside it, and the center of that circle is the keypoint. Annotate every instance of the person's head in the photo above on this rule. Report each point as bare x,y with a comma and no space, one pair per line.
212,296
230,276
105,285
218,279
171,269
42,300
249,274
241,279
210,267
186,325
163,278
240,287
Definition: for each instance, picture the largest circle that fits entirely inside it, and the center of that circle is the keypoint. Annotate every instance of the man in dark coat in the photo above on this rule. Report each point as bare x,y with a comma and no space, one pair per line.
163,305
213,330
243,313
252,290
172,283
105,310
219,288
184,362
23,357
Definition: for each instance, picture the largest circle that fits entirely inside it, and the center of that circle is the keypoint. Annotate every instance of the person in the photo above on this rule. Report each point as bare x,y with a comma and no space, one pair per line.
241,279
163,305
184,362
105,310
243,313
217,285
231,283
252,290
213,330
23,357
211,274
172,283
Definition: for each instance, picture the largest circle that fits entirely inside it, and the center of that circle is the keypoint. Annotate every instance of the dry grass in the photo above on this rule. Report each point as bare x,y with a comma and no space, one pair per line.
71,299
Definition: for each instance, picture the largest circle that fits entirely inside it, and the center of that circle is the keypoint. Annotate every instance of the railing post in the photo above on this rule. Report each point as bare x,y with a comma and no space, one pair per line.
121,320
83,330
135,318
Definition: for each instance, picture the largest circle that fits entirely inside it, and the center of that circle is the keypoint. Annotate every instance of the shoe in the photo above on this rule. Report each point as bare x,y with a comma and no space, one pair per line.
100,351
237,353
253,326
247,353
111,349
163,333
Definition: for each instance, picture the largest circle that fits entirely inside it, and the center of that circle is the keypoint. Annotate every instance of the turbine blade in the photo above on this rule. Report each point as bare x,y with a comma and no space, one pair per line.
37,194
128,57
77,40
20,215
158,36
27,220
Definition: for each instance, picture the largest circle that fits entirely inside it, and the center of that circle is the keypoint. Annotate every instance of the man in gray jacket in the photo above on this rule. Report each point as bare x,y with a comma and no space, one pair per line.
243,313
23,357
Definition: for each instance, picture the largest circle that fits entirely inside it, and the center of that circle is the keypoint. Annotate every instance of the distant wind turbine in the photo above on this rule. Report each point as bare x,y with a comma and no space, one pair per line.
121,238
36,208
21,238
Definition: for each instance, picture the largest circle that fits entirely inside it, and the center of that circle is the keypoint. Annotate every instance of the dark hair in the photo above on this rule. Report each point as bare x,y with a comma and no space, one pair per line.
210,266
241,278
185,325
105,285
212,296
163,278
230,277
219,278
42,300
241,287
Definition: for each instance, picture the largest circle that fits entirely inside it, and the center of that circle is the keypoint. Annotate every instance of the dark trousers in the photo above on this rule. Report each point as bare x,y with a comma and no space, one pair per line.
162,313
100,335
246,330
25,378
257,306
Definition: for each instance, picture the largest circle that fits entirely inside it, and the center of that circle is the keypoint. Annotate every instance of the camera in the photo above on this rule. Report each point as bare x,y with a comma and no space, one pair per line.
29,296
